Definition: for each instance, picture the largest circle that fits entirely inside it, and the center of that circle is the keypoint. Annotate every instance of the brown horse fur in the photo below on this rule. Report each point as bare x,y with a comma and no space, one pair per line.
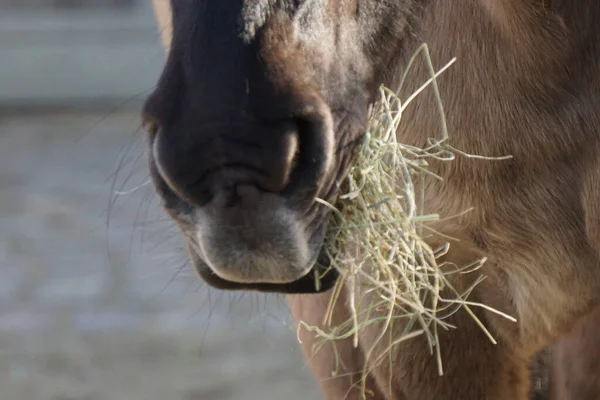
526,83
575,364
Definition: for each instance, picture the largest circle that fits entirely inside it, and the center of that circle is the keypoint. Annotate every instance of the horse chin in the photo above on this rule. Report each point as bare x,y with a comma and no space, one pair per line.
319,279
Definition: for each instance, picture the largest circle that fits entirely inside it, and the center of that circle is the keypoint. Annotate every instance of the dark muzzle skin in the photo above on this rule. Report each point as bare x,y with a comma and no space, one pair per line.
242,141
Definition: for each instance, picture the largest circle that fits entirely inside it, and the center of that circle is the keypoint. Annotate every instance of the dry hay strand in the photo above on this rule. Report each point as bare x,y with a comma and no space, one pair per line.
377,239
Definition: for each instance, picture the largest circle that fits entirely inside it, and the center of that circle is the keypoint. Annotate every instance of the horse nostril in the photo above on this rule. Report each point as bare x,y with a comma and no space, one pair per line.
313,155
149,123
150,126
241,161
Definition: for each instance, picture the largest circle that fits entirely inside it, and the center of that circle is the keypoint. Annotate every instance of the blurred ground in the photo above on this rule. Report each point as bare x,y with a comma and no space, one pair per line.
96,301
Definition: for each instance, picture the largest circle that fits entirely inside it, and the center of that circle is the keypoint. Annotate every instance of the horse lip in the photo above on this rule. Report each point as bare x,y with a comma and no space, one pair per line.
303,285
229,274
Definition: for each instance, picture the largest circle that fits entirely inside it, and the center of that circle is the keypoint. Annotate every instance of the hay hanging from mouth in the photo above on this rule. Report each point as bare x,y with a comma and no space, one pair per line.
377,237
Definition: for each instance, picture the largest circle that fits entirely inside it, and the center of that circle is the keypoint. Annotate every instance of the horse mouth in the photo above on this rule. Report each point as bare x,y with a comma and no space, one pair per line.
320,278
314,275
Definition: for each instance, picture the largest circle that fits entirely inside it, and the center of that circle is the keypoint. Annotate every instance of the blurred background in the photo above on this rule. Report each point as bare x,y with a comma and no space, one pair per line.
97,301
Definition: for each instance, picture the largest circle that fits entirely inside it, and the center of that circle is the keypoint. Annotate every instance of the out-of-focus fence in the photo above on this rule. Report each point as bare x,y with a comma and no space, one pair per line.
77,52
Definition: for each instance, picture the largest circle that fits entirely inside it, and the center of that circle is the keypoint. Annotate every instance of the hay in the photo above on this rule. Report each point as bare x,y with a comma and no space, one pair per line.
378,241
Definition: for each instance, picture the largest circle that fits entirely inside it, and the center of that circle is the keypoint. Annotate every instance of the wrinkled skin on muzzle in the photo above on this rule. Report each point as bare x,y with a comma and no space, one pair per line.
258,112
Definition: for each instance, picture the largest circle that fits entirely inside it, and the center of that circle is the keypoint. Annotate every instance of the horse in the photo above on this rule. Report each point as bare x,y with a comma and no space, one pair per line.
260,109
572,369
